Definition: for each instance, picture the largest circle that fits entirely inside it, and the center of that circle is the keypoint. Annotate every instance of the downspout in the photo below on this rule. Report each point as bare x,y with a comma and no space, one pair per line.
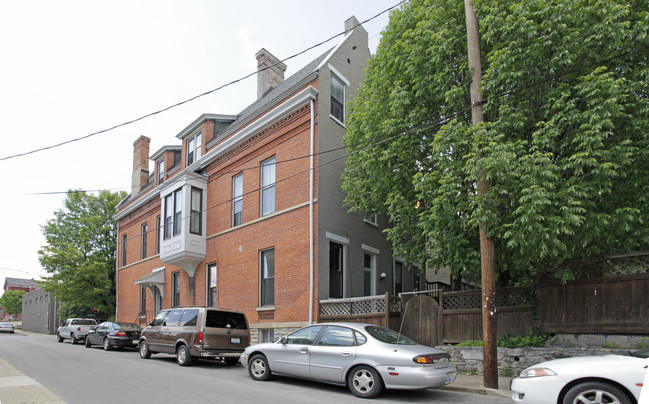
312,135
117,274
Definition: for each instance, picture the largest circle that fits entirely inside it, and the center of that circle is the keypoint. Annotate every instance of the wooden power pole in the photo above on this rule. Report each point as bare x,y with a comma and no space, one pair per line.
487,254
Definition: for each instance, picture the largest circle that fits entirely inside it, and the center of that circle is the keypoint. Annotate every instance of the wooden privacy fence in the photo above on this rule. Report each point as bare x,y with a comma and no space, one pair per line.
383,310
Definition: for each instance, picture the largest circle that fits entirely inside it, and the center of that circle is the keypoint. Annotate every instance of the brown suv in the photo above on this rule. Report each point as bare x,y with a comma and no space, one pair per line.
196,332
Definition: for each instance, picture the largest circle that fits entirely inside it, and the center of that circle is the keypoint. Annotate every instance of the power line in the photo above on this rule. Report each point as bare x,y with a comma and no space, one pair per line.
196,96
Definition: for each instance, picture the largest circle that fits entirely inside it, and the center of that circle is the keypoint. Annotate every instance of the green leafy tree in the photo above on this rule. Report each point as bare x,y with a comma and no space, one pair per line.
12,301
80,252
565,145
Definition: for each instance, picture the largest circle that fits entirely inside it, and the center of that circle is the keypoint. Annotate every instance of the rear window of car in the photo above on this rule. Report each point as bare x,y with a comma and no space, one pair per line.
224,319
127,326
389,336
83,322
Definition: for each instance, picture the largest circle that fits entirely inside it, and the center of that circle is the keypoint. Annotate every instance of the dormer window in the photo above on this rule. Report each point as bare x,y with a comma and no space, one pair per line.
161,171
194,144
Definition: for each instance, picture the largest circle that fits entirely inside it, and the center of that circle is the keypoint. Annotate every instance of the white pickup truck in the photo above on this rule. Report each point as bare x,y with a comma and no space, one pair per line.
75,329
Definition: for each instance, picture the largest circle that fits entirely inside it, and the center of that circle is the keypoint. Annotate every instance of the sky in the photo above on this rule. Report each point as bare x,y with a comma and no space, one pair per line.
69,69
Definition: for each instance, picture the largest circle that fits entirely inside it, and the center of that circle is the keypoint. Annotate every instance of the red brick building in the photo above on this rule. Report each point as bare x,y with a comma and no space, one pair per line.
26,285
247,213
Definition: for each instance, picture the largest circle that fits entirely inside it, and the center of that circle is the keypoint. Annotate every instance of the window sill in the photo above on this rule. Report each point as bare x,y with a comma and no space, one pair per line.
338,121
266,308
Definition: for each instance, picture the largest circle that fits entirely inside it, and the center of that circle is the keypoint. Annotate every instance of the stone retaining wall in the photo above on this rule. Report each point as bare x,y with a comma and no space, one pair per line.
512,360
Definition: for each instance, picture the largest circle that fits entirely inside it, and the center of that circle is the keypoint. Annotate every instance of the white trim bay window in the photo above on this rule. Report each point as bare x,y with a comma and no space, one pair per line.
267,277
194,145
237,200
173,214
268,186
196,211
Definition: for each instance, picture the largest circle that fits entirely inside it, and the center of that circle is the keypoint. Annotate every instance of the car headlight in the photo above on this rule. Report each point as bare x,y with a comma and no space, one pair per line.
535,372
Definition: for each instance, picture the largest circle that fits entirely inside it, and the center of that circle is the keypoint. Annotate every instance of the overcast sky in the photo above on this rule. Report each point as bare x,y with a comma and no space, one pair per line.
72,68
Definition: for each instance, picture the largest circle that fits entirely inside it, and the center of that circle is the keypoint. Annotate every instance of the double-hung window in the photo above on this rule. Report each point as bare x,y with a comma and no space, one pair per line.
143,300
161,171
143,247
211,285
267,276
196,214
123,250
175,289
237,200
268,186
337,98
173,214
194,144
157,234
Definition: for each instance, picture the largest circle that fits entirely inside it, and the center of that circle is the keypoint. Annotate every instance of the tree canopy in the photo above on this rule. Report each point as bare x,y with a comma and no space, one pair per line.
564,147
12,301
80,252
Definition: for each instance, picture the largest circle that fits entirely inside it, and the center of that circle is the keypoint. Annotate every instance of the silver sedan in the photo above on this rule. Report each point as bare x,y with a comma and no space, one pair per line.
366,357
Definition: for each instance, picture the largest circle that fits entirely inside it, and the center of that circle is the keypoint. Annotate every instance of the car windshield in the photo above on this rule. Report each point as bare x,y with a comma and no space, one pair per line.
641,353
127,326
388,336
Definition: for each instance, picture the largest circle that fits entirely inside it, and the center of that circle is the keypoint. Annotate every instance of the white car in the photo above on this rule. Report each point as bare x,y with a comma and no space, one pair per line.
6,327
592,379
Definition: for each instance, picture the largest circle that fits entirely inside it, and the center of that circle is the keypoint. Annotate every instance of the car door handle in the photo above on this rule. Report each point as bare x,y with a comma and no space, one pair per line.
304,351
347,354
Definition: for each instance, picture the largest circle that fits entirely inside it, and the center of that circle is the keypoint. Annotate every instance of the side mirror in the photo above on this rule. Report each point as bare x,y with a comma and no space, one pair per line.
93,328
283,340
150,323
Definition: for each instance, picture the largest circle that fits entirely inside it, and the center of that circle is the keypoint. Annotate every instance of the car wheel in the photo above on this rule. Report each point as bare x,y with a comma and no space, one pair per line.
88,342
182,356
144,350
73,338
231,361
107,345
258,368
365,382
59,338
595,392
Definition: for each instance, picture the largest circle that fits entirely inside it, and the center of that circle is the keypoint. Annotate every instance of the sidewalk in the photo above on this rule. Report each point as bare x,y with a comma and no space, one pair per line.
16,388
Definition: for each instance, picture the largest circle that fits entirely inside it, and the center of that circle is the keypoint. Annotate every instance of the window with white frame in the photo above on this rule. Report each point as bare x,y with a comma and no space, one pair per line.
196,211
371,218
173,214
266,335
211,285
397,278
268,187
237,200
369,274
161,171
267,276
194,145
337,98
143,245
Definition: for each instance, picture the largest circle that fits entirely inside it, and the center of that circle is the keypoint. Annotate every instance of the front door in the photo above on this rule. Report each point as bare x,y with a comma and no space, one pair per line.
292,356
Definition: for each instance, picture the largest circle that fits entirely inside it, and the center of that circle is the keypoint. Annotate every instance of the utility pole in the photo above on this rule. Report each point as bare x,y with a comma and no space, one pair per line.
487,254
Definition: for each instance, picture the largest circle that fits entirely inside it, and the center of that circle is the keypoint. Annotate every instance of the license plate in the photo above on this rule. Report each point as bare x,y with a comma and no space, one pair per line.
234,340
135,341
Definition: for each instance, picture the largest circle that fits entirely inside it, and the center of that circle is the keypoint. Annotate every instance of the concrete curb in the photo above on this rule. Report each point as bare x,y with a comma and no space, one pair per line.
16,388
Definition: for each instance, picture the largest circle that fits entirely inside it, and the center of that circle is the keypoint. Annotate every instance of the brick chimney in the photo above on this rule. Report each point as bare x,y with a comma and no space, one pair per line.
140,164
270,72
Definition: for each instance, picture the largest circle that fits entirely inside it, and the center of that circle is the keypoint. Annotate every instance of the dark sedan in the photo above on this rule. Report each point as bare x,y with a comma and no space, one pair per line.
114,334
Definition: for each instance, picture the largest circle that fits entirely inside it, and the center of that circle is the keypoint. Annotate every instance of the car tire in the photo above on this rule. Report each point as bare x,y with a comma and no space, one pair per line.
75,341
590,390
107,345
365,382
87,343
182,356
258,368
59,338
145,353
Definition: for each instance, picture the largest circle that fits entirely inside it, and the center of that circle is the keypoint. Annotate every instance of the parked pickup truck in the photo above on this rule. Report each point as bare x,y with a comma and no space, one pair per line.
75,329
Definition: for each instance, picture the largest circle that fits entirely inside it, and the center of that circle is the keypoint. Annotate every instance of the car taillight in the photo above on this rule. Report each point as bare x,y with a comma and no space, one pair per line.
431,358
120,334
200,337
78,328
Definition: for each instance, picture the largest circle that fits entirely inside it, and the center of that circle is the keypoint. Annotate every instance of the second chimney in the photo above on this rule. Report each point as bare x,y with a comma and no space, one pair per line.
140,164
270,72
